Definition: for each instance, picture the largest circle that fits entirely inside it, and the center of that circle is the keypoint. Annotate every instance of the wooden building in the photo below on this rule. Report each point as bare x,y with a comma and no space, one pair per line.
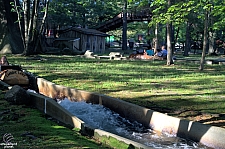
81,39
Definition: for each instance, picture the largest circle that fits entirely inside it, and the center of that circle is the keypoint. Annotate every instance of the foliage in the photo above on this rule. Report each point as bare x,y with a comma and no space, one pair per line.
81,12
94,12
192,11
177,13
134,29
219,13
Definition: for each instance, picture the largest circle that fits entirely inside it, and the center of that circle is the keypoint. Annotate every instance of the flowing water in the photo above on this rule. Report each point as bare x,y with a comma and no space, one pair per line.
103,118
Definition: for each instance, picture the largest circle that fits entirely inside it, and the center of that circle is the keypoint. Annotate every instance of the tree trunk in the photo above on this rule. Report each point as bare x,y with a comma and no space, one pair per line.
148,36
212,48
156,38
169,40
212,36
124,35
205,41
187,41
176,37
28,21
169,44
172,38
34,19
10,32
41,30
32,32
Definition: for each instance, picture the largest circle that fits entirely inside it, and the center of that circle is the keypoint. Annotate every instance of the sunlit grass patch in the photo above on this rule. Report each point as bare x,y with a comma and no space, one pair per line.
179,86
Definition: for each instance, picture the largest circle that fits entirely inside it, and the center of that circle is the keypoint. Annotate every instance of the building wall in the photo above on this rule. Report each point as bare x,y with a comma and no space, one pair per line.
87,42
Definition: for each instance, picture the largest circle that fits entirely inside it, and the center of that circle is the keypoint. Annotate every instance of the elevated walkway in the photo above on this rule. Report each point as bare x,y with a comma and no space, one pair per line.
132,15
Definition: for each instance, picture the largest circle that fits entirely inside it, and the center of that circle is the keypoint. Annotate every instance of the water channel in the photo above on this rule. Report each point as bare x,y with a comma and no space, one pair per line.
103,118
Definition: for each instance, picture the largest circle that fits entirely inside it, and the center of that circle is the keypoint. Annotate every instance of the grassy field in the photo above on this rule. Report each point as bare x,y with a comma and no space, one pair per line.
32,129
180,90
152,84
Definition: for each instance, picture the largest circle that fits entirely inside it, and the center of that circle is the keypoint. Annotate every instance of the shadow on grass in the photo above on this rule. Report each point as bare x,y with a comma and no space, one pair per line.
32,129
187,107
129,72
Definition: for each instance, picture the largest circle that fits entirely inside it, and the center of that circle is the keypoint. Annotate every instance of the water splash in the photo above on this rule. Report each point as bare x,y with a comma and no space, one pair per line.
103,118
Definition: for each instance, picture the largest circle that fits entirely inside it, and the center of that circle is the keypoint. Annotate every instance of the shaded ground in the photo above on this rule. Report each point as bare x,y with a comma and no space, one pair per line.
26,136
205,118
194,115
27,127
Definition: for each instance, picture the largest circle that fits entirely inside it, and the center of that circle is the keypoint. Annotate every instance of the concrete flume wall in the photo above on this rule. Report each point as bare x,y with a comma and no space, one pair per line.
52,108
210,136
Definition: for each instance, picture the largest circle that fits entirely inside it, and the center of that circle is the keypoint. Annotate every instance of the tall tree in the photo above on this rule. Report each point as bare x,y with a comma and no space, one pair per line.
156,37
166,17
24,20
187,37
82,12
11,41
124,35
169,38
33,31
205,40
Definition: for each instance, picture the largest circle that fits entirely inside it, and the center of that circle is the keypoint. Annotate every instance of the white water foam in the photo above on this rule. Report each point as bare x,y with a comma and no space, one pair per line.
103,118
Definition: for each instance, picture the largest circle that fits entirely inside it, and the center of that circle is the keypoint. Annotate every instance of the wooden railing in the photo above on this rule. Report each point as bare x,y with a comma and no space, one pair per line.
132,15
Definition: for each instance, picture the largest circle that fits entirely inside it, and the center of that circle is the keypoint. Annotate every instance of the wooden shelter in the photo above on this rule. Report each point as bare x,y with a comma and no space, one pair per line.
80,40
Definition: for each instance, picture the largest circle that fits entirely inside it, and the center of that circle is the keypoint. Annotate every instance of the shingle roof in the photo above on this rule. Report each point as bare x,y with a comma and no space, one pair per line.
86,31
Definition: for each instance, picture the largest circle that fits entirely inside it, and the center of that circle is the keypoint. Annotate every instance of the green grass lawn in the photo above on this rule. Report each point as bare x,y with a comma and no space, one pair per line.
169,89
32,129
146,83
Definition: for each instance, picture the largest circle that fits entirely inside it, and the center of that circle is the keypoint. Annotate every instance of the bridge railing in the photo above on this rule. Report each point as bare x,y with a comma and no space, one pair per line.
132,15
137,13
